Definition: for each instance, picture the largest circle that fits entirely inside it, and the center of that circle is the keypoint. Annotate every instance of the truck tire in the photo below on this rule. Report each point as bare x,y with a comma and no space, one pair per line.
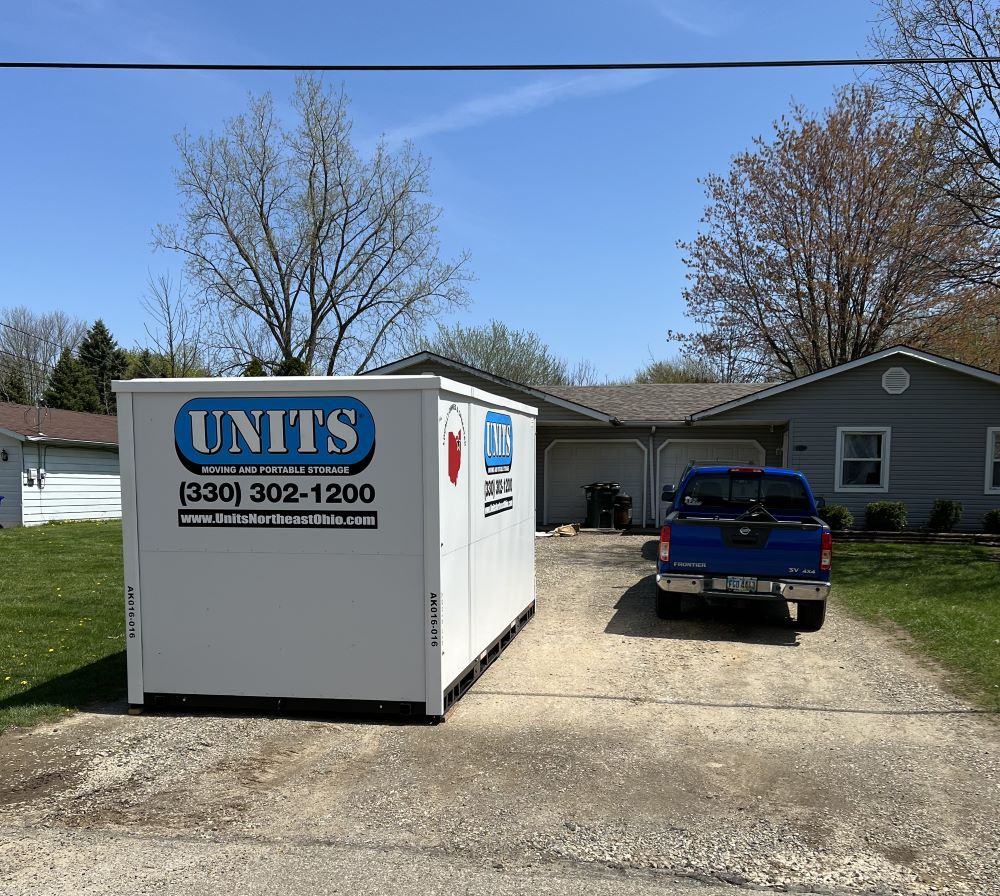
811,615
668,606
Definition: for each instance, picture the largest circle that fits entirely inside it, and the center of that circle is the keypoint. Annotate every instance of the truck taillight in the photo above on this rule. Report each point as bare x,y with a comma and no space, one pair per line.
826,551
665,544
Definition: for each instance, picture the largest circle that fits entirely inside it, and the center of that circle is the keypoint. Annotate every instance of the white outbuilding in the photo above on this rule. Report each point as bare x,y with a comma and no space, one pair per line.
57,465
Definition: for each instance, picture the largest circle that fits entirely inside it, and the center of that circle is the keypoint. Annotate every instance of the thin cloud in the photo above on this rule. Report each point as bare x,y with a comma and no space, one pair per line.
520,101
704,19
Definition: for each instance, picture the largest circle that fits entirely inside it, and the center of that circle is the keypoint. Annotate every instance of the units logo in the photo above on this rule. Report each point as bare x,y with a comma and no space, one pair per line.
498,443
317,435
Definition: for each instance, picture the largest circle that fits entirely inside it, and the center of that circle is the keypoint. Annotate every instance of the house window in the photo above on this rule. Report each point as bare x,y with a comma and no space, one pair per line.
863,459
993,460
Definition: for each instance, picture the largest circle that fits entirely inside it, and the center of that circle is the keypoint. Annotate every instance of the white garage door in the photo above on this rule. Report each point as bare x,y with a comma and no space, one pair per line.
571,464
675,455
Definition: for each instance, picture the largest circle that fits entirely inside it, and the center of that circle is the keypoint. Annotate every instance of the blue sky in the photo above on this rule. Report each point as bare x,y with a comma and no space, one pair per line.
569,190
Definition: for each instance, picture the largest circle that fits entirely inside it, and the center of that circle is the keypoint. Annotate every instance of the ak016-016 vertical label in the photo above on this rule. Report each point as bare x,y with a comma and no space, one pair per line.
498,456
434,625
130,610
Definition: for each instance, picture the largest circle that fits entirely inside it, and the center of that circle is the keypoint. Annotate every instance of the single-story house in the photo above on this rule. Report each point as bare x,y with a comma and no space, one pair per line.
897,425
57,465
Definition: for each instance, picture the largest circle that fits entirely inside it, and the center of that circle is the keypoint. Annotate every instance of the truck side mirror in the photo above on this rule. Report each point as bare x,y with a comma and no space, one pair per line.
820,503
668,493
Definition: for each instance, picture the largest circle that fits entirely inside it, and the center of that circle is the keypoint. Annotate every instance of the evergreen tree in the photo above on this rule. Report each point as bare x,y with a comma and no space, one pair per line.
144,364
254,368
291,367
13,387
105,361
71,386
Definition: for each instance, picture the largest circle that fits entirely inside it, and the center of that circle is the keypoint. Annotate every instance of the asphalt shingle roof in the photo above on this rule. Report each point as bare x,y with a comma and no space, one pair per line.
654,401
58,424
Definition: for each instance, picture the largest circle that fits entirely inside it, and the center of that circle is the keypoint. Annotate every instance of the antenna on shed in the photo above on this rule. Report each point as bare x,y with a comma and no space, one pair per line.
41,412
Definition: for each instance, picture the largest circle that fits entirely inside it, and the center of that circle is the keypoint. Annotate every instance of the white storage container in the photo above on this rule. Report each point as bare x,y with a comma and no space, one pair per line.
363,542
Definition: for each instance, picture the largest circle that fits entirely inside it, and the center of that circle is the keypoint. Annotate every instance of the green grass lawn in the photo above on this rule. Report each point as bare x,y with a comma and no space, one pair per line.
62,641
947,597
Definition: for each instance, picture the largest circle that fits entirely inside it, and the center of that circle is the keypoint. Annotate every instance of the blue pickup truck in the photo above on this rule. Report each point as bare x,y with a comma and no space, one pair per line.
735,534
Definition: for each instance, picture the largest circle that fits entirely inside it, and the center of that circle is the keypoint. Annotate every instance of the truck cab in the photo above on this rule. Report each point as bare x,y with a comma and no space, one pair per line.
734,534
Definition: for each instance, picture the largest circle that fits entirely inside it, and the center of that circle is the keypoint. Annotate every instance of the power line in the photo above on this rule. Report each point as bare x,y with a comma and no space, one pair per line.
34,336
500,67
21,359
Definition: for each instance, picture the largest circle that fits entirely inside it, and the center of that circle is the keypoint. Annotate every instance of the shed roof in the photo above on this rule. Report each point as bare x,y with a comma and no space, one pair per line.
22,422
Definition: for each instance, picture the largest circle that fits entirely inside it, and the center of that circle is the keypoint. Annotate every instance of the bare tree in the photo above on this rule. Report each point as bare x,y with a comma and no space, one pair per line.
518,355
960,99
175,330
826,243
300,248
726,349
31,343
679,369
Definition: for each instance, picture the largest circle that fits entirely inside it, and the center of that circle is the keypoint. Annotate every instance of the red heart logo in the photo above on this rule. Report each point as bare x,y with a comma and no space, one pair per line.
454,455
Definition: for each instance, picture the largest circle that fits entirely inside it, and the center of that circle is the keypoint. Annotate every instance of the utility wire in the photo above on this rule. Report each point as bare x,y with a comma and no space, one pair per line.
28,333
500,67
31,362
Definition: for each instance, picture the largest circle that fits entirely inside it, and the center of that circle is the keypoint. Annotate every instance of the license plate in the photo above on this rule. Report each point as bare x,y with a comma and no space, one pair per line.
744,584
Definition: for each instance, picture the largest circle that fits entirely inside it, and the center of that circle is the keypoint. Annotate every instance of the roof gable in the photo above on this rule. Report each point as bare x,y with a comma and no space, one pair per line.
903,351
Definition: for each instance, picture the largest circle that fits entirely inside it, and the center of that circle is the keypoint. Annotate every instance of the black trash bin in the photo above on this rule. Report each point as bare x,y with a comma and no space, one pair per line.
606,502
600,497
623,511
591,518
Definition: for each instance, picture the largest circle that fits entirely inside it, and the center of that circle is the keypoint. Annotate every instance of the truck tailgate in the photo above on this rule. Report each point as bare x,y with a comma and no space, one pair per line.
734,547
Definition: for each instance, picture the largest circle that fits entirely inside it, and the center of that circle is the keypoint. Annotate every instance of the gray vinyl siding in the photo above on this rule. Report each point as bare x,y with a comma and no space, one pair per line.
937,443
10,483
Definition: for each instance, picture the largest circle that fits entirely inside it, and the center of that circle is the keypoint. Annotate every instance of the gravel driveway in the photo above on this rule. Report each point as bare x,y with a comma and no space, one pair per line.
606,752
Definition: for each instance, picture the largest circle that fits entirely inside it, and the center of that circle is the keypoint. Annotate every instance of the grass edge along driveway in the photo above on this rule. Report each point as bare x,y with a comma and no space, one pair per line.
62,639
945,597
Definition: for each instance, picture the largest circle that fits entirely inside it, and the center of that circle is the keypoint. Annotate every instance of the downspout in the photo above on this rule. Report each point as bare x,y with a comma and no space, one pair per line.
654,505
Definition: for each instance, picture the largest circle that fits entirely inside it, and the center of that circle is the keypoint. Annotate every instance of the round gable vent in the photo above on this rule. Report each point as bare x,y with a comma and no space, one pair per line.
895,380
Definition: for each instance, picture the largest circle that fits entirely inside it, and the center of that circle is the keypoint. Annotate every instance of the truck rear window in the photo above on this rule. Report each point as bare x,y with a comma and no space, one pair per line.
735,491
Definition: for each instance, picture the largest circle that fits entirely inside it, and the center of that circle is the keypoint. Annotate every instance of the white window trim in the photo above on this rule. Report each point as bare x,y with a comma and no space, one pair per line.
886,433
992,432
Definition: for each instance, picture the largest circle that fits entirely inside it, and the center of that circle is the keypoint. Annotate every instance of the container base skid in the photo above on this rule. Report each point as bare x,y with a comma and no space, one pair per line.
310,706
307,706
476,668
